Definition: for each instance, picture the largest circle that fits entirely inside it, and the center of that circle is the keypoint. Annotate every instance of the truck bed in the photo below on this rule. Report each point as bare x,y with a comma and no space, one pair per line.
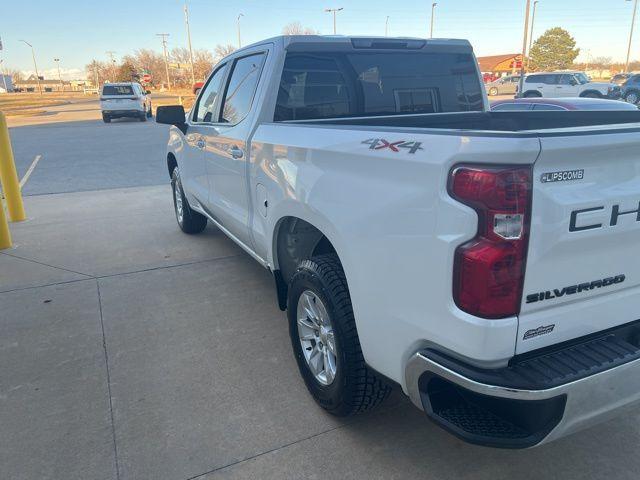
529,121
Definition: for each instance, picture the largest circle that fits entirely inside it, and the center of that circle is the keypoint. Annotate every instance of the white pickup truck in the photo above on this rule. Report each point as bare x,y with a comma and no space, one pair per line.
485,262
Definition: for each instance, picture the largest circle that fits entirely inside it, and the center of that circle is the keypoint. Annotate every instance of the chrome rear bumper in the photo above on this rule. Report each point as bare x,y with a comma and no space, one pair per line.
569,407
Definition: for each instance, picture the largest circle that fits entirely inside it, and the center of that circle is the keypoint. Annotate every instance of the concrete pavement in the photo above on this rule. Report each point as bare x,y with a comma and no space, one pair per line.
129,350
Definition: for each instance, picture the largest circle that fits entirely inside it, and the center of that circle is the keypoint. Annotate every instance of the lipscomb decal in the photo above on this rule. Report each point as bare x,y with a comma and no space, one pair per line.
381,143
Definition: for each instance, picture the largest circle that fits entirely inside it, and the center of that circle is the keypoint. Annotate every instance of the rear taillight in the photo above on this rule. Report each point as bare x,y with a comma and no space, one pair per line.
489,269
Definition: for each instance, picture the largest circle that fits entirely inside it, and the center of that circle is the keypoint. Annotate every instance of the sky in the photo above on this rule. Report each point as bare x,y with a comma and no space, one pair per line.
78,31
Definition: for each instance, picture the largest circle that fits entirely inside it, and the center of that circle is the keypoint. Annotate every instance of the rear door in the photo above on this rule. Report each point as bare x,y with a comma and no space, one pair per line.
583,267
227,149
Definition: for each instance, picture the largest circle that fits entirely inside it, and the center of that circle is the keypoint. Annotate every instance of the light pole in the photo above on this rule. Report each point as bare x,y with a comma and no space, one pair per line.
166,58
524,47
433,11
238,22
186,22
35,65
57,60
113,64
633,21
386,27
334,11
533,19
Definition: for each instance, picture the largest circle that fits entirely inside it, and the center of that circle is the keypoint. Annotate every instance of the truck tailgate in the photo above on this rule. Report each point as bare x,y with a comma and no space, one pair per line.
583,265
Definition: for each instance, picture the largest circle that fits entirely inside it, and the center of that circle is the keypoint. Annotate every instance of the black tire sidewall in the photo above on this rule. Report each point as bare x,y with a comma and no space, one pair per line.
330,397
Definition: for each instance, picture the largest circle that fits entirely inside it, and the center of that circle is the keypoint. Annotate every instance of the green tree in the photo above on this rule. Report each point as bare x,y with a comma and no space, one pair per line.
127,72
554,50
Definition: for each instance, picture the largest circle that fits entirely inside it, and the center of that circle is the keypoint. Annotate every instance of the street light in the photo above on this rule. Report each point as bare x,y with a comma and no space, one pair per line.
633,21
57,60
386,27
433,11
334,11
239,42
35,65
533,19
524,47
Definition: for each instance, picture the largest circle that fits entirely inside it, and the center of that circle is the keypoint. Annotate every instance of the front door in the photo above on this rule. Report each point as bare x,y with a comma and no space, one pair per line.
227,150
194,177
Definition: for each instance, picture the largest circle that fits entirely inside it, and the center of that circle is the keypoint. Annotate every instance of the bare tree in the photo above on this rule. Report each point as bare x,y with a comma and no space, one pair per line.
296,28
222,51
97,71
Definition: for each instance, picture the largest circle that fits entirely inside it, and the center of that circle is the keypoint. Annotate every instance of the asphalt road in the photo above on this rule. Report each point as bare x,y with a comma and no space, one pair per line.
74,150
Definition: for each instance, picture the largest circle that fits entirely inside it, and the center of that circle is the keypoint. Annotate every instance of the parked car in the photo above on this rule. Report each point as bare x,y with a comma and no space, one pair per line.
620,78
631,89
503,86
484,262
197,87
128,99
549,104
567,84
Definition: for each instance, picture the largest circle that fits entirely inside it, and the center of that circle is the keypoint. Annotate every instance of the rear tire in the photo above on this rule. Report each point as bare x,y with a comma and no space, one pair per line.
334,372
106,118
149,112
632,97
143,116
188,220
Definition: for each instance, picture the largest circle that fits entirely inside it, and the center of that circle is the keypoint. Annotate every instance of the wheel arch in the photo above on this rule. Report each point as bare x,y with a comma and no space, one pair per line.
592,92
172,163
294,239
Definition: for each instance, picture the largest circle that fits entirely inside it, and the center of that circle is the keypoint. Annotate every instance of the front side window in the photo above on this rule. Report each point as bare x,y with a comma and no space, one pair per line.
241,88
205,108
336,84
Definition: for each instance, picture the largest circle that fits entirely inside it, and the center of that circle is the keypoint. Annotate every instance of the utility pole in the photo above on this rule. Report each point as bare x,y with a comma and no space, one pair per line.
533,19
35,65
4,78
186,22
633,22
524,47
238,23
386,27
57,60
113,64
433,11
334,11
166,58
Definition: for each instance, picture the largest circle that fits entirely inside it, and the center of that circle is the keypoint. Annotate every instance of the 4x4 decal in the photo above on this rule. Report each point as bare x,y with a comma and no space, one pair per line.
381,143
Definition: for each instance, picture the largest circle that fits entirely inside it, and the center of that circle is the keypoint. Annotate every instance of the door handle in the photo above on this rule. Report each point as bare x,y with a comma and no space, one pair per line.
201,144
236,152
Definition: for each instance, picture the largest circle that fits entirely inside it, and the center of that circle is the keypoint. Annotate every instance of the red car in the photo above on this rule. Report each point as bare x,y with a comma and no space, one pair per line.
197,87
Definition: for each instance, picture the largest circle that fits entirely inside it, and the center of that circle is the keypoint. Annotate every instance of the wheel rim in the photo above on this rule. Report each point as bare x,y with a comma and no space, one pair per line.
317,338
178,203
493,92
632,98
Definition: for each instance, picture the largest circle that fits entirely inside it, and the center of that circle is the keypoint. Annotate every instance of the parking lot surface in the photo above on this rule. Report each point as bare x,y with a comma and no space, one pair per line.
129,350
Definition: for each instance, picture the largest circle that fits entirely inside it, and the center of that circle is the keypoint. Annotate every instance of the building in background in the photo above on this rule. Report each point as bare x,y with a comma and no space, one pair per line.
31,85
496,66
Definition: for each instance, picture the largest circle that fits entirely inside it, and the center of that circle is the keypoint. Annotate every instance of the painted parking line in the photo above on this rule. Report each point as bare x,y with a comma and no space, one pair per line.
30,170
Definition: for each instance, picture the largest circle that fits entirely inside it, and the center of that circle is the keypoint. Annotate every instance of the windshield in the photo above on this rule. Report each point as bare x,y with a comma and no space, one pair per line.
337,84
117,90
582,78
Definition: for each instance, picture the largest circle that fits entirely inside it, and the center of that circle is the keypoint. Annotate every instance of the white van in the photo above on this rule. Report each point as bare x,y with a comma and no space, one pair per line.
124,100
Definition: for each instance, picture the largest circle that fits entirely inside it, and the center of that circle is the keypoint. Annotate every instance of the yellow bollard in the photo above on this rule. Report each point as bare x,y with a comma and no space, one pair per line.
5,235
9,176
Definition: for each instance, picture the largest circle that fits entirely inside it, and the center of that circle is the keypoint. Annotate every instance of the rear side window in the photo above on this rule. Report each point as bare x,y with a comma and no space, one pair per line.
205,108
335,84
549,79
241,88
511,107
117,90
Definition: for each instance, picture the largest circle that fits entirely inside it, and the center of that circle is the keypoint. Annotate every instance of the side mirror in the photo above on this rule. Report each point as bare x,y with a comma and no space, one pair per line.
171,115
147,92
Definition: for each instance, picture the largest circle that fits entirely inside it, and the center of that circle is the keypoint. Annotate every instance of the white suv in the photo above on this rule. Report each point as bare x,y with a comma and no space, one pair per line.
124,100
567,84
